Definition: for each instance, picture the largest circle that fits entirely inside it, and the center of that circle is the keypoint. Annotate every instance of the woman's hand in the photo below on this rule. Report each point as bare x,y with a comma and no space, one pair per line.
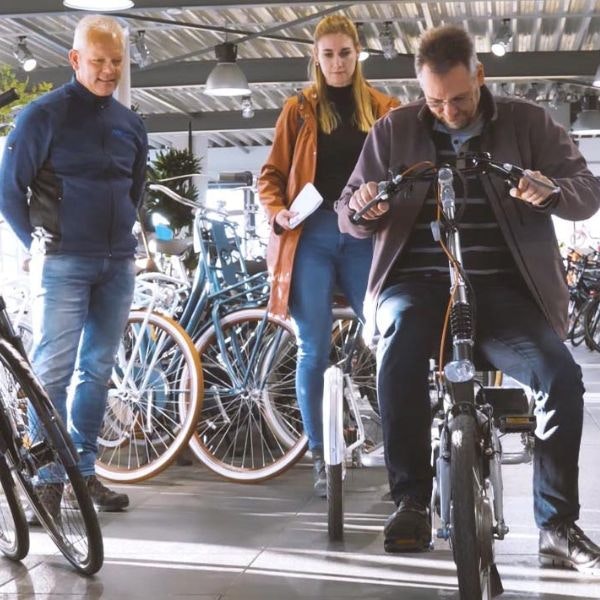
283,217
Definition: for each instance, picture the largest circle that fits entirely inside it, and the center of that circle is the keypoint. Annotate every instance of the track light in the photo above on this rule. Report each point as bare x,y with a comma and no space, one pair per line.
23,55
503,38
362,40
139,50
247,107
98,5
386,38
227,79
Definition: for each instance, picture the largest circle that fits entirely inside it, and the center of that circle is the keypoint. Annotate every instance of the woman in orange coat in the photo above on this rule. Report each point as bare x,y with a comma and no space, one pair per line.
318,138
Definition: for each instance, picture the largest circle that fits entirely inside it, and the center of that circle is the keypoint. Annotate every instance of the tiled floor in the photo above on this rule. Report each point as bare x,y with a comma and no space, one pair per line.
190,535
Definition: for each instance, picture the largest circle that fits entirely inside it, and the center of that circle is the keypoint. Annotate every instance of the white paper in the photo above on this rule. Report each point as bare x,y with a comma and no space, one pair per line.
305,203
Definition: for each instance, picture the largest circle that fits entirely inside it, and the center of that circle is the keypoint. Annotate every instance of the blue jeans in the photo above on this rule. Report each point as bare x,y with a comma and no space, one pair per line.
80,308
324,257
513,335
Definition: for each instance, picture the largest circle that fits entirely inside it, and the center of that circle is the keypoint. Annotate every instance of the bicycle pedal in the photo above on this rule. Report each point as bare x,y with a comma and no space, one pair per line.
516,423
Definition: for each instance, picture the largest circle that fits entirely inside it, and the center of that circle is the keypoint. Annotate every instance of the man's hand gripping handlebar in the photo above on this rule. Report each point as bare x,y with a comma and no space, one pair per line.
371,200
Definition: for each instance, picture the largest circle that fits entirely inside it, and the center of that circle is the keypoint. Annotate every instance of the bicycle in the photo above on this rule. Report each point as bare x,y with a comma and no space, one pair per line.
249,427
36,451
466,424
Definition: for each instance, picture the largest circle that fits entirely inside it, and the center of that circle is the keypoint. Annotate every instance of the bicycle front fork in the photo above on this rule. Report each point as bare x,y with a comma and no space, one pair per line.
441,495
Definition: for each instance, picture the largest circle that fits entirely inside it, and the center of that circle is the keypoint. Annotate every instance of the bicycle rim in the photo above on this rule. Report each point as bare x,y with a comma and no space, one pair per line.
470,515
43,454
154,400
14,531
250,427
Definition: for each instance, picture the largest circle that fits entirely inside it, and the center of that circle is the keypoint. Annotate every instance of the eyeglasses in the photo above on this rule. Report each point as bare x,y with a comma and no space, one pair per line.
462,101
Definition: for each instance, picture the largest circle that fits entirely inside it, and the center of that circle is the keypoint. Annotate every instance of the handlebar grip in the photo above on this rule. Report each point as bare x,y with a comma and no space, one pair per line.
355,219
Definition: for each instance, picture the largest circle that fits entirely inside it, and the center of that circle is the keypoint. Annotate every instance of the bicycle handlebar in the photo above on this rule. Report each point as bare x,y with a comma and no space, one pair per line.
479,163
167,191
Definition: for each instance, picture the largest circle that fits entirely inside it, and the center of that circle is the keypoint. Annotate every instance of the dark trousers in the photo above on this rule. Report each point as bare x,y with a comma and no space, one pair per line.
513,335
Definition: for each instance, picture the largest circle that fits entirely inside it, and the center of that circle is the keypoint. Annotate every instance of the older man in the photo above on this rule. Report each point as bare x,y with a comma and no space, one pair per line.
80,156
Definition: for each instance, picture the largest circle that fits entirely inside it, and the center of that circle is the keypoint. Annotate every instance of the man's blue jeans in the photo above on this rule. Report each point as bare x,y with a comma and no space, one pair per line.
324,257
513,335
80,308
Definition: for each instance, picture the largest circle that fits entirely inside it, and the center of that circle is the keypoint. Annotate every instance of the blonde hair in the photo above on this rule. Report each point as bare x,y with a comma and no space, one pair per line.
364,114
92,25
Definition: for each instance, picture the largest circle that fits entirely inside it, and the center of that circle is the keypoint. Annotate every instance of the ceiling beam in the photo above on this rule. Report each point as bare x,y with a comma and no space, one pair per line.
515,65
214,121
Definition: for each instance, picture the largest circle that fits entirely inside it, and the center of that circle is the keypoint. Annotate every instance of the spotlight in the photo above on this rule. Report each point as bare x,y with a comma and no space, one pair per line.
247,108
502,39
23,55
362,40
98,5
227,79
139,50
386,38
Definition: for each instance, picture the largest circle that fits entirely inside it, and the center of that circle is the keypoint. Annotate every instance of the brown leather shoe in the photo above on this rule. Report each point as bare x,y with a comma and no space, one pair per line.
567,546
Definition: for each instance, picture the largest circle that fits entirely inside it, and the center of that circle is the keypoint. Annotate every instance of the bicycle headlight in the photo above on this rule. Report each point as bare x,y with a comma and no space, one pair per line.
459,371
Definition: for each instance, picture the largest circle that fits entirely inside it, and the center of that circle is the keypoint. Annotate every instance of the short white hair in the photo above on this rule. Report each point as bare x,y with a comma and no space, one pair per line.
96,24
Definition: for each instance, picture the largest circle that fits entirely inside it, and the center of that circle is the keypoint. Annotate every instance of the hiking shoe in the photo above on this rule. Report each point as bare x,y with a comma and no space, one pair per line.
320,474
104,499
50,496
408,528
567,546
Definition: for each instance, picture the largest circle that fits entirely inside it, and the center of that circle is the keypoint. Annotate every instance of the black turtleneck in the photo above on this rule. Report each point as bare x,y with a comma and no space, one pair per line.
338,151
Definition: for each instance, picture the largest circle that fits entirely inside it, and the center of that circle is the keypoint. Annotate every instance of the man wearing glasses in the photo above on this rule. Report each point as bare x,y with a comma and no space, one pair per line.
512,259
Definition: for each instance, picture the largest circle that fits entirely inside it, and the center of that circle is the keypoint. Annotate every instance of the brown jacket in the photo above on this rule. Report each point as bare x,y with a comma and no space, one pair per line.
290,165
515,131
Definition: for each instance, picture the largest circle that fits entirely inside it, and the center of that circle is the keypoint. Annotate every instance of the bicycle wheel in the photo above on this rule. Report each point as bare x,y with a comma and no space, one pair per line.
576,331
250,428
43,459
350,353
470,511
592,325
334,450
14,531
157,372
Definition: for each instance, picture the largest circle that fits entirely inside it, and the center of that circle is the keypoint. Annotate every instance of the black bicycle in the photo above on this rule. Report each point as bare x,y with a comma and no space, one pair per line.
468,417
37,453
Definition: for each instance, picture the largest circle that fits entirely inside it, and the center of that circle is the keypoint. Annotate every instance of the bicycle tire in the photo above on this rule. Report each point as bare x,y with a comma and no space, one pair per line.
335,502
592,325
249,430
471,522
14,531
154,402
74,527
334,450
576,333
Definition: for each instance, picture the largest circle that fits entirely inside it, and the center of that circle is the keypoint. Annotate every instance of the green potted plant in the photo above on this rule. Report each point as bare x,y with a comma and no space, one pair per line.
172,163
26,92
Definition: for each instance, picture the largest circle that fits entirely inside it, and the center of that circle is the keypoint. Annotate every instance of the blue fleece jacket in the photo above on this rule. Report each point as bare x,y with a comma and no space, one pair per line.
72,174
